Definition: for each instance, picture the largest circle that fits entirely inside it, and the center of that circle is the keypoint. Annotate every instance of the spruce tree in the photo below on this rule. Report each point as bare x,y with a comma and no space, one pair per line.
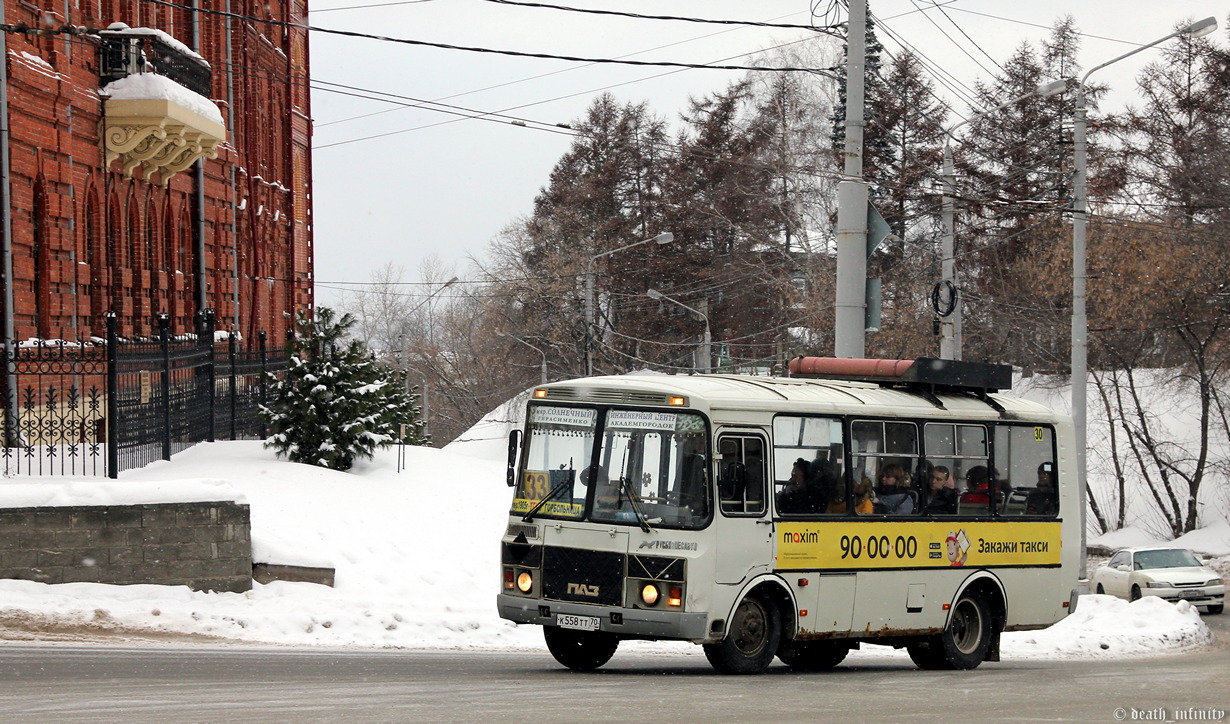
336,403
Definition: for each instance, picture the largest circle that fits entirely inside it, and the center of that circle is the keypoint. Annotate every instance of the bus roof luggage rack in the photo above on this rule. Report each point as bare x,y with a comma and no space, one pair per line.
924,374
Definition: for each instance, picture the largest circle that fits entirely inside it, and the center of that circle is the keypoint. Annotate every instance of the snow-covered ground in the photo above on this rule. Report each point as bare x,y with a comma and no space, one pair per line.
416,555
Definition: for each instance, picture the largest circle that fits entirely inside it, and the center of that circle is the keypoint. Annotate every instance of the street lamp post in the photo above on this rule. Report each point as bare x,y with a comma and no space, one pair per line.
1080,339
665,237
706,351
502,333
950,341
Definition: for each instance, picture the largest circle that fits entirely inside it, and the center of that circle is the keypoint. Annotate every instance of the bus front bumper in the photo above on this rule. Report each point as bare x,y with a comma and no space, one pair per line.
631,621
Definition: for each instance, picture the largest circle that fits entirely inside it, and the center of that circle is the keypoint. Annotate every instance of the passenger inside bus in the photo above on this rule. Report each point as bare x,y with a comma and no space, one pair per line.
980,484
942,492
803,494
1042,499
894,496
694,485
863,497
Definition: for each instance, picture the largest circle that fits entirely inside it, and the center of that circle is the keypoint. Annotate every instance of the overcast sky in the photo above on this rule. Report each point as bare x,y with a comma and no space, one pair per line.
399,184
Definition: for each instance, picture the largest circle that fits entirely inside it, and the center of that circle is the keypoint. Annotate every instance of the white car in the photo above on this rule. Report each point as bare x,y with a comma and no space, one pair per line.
1170,573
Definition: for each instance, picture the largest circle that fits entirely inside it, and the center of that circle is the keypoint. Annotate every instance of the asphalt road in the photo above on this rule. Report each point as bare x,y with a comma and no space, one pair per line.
218,683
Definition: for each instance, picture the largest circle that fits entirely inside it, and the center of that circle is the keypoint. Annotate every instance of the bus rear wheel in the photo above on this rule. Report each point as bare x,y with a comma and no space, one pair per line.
964,642
751,641
580,650
812,655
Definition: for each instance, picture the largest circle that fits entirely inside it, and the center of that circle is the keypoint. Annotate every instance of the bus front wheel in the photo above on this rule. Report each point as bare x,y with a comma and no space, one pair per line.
580,650
964,642
751,641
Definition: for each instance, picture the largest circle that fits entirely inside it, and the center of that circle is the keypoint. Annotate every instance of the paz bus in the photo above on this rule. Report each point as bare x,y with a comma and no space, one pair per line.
753,515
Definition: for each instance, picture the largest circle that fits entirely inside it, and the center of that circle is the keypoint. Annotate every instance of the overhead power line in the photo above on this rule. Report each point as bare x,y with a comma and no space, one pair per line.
494,51
364,7
787,26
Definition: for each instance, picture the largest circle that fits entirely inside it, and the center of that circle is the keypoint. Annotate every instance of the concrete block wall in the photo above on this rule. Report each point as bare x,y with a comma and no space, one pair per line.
206,545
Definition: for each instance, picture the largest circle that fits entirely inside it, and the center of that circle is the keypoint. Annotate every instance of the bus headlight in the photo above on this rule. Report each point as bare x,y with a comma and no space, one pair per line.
525,582
650,594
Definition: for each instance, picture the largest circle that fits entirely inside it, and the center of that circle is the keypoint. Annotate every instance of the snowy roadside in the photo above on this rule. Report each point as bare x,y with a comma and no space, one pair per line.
415,555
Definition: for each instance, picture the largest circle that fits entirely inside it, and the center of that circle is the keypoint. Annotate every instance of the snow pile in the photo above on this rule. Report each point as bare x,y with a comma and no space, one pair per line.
151,86
416,553
57,492
1213,539
1109,627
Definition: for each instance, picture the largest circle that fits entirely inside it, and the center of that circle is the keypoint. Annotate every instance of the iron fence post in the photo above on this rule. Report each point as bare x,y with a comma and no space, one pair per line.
261,385
11,435
211,322
112,431
164,338
232,346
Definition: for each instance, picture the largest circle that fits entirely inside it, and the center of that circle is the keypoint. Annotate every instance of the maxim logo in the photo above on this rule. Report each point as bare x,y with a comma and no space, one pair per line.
580,589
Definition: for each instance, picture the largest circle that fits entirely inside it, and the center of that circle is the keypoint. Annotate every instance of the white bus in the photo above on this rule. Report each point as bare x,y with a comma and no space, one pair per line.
756,516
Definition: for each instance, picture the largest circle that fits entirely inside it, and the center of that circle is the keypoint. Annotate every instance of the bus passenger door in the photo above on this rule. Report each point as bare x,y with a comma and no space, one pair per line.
743,528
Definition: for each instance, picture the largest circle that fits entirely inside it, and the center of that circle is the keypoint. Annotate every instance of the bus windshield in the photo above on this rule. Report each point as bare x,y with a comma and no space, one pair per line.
652,467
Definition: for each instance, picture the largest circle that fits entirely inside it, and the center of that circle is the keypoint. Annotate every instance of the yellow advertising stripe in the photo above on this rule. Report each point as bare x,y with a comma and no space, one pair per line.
922,544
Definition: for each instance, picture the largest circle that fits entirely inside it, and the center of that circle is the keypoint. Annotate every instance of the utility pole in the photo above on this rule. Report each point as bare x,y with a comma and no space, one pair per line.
852,199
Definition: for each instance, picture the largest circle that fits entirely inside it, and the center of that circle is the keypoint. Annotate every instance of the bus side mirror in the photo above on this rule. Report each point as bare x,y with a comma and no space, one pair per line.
514,446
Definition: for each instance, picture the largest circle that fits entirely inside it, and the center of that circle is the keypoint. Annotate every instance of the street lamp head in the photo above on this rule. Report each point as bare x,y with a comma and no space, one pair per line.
1055,87
1201,28
653,294
450,282
500,333
667,237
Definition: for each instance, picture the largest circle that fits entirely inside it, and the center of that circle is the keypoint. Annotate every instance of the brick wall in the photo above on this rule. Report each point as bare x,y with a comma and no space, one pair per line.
206,546
87,238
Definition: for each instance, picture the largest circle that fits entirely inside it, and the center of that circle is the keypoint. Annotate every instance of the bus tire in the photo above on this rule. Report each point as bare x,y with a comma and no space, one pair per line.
965,641
580,650
751,640
968,636
812,655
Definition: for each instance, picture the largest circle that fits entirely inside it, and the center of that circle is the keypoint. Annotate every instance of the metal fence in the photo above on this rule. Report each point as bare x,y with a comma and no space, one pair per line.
101,407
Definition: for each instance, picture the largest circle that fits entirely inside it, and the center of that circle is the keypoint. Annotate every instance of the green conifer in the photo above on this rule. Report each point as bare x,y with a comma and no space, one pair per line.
336,403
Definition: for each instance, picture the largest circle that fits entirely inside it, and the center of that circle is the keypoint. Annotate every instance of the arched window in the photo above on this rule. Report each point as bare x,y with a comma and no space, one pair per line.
186,276
136,302
96,261
153,262
113,228
41,252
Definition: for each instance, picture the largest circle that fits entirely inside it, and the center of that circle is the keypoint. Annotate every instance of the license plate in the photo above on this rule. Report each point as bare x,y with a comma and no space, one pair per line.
579,623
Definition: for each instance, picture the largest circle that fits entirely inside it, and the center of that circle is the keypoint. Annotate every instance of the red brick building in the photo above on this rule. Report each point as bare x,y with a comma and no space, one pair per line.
169,197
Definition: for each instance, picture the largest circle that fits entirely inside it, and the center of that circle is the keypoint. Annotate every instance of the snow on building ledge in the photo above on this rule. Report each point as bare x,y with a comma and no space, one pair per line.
152,122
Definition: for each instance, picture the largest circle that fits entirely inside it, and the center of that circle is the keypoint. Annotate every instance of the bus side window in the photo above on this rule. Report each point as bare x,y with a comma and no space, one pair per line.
1027,454
742,482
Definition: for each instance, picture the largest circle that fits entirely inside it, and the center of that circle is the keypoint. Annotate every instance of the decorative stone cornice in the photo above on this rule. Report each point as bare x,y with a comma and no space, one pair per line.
157,135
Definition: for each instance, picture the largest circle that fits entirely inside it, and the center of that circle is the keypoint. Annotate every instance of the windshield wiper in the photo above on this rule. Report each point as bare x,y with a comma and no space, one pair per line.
636,506
529,514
